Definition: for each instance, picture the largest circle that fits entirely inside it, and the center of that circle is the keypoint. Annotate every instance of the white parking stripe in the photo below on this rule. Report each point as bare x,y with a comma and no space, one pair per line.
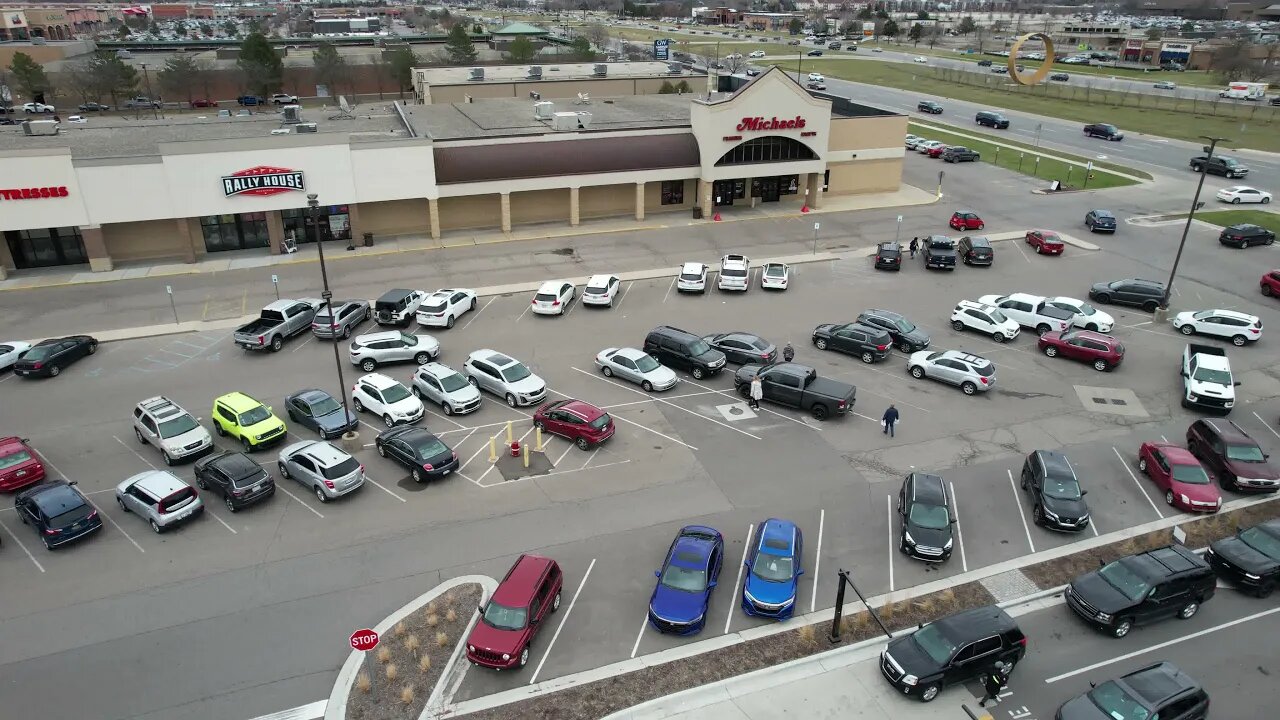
384,488
303,344
817,561
730,394
593,457
1018,245
106,517
892,549
632,422
563,620
135,453
445,418
643,625
664,299
1265,425
214,515
374,428
476,314
668,402
668,397
625,290
955,508
1125,465
295,497
522,312
1017,499
28,552
733,598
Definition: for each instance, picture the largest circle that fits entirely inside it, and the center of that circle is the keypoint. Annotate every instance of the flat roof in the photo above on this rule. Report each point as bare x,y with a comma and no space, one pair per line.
550,71
514,116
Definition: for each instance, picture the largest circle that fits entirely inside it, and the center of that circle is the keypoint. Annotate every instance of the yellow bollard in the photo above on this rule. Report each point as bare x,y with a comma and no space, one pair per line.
537,433
525,447
493,449
510,438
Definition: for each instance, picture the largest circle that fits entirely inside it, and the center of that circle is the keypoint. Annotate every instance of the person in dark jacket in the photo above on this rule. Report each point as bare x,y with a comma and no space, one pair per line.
915,245
889,419
788,353
993,681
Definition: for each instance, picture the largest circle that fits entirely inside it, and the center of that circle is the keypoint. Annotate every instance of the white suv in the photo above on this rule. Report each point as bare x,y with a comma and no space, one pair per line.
601,290
1237,327
735,273
1087,316
505,377
693,278
161,422
969,372
443,307
388,399
441,384
553,297
983,318
373,349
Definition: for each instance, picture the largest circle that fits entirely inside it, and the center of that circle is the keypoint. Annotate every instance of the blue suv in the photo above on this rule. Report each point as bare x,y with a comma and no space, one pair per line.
58,511
773,570
688,575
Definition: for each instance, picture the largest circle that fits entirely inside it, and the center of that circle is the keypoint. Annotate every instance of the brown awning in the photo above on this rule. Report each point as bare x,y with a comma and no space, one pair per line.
481,163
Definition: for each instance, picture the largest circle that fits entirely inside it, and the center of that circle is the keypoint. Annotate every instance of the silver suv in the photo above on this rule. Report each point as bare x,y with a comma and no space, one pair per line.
505,377
374,349
328,471
971,373
446,387
339,318
160,498
161,422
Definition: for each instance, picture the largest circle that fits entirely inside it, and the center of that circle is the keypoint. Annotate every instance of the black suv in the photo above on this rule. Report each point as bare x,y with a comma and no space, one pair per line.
1100,221
1146,294
976,250
889,256
992,119
1228,452
959,153
1142,588
952,650
929,106
924,509
1245,234
1057,501
1156,691
905,334
861,341
677,348
1250,559
1106,131
239,479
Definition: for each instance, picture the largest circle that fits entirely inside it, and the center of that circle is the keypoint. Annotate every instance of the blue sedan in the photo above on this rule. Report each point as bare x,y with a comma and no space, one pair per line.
773,570
318,410
688,575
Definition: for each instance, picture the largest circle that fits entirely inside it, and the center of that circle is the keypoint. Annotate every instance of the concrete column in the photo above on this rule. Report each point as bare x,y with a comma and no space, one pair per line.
573,207
704,192
639,201
184,240
196,231
357,229
815,191
506,212
95,246
6,259
802,184
275,231
435,218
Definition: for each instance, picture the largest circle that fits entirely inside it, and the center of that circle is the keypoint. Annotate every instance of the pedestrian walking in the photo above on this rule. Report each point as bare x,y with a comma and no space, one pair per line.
788,352
757,392
889,420
915,245
994,681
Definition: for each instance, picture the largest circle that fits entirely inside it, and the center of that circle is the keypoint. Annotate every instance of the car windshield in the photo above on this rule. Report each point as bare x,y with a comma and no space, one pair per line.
515,373
1062,488
1203,314
323,406
254,416
505,618
645,364
342,469
699,347
601,422
395,393
933,517
1217,377
1117,704
1245,453
408,340
934,643
38,352
430,448
904,325
998,317
1122,578
13,460
1190,474
683,578
453,382
177,426
774,568
1262,541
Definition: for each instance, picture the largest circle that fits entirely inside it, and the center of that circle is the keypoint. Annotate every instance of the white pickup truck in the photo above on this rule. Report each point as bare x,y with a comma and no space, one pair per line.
1031,311
1207,382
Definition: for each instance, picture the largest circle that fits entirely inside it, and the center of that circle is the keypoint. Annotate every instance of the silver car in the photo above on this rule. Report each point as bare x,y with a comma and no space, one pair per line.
636,366
339,318
327,470
971,373
505,377
373,349
160,498
161,422
446,387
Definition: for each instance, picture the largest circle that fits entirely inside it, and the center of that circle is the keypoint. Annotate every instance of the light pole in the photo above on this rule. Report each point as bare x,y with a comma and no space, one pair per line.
898,232
147,76
815,238
1162,312
313,211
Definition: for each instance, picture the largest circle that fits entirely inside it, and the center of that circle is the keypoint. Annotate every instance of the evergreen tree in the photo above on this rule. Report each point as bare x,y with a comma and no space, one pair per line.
521,50
179,76
28,75
458,47
581,47
890,29
402,62
261,65
331,67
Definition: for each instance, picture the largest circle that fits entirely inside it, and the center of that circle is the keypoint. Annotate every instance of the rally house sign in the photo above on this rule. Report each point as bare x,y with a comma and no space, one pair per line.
263,181
759,124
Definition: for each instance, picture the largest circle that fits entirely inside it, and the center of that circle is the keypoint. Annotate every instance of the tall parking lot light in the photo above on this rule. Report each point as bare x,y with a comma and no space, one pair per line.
313,210
1162,313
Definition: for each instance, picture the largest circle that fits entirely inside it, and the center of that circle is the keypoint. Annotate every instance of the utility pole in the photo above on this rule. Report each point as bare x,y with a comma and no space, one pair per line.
1162,312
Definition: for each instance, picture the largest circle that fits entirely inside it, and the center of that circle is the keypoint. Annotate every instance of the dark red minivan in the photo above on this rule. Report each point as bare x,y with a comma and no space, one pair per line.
518,609
579,422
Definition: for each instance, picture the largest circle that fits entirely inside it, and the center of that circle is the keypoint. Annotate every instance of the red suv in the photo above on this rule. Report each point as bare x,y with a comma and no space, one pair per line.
966,220
935,152
581,423
1103,352
1270,283
1045,242
19,464
525,597
1179,474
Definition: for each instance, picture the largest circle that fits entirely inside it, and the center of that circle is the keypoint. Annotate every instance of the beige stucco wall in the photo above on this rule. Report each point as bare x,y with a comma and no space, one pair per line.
856,133
396,217
540,206
548,89
653,197
147,240
477,211
865,176
607,200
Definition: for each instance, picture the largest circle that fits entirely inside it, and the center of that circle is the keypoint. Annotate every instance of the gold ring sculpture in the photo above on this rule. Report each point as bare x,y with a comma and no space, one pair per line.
1039,75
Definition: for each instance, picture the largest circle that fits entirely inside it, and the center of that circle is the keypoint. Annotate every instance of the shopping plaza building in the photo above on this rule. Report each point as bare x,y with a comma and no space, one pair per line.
121,189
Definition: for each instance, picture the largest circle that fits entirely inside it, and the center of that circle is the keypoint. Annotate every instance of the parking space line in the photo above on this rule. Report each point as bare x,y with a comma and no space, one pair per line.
135,453
28,552
733,604
728,393
625,290
566,452
303,344
374,428
1125,465
522,312
384,488
553,473
955,508
817,561
1017,499
473,429
632,422
214,515
476,314
563,620
573,303
446,418
664,299
667,402
887,374
8,377
888,501
1018,244
1265,425
108,518
295,497
480,480
593,457
201,348
640,636
171,352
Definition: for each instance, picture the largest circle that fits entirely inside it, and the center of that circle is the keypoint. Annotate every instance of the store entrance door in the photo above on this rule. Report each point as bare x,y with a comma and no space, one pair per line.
722,192
769,189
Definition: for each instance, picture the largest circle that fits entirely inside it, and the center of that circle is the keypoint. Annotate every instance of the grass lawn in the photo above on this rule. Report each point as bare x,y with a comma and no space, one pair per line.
1252,125
926,132
1225,218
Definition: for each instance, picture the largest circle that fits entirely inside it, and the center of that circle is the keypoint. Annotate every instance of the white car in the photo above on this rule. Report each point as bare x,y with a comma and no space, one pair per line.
693,278
10,352
877,49
553,297
986,319
601,290
636,366
775,276
377,348
442,308
1087,316
284,99
440,384
816,77
920,59
505,377
911,141
756,54
924,146
1031,311
388,399
1243,194
735,273
35,107
1237,327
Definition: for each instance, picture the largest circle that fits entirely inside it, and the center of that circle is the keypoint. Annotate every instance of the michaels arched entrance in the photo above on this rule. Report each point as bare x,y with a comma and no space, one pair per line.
760,151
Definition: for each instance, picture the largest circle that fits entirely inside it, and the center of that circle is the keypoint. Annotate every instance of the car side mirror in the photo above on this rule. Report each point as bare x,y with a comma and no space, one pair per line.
657,573
799,572
1083,493
199,419
1093,684
25,440
746,564
1236,383
1100,563
919,626
1184,373
270,409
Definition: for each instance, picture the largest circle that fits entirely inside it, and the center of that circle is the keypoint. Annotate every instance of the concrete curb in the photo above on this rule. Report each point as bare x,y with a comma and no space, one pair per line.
336,708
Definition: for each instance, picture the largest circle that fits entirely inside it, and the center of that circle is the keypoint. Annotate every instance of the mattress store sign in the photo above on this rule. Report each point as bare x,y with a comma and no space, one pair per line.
759,124
263,181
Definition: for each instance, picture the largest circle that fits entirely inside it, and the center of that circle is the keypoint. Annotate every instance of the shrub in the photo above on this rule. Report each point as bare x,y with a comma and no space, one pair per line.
442,639
400,629
363,683
667,88
384,654
431,608
451,615
433,620
392,671
406,694
412,643
424,663
886,611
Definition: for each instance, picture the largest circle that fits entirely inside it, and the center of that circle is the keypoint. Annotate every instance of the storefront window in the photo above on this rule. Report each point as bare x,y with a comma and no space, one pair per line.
788,184
46,247
672,192
335,223
772,148
235,232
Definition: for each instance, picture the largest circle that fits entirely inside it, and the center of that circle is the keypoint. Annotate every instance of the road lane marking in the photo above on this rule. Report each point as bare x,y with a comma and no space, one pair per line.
1161,646
1018,244
733,603
374,428
593,457
955,508
730,394
888,500
33,557
476,314
664,299
1142,489
303,344
624,294
1017,498
650,400
639,637
295,497
817,561
446,418
563,620
384,488
310,711
1265,425
666,402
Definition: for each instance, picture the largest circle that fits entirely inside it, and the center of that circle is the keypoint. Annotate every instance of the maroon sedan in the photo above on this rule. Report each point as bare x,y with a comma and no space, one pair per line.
1045,242
579,422
1179,474
1103,352
20,466
936,152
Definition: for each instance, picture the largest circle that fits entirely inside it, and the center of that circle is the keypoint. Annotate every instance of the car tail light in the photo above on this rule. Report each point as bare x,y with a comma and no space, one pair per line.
50,531
315,325
555,303
262,339
328,484
984,380
427,467
1023,642
534,302
764,356
882,348
841,405
38,365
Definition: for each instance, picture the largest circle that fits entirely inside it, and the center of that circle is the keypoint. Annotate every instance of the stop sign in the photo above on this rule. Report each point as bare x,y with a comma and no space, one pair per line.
364,640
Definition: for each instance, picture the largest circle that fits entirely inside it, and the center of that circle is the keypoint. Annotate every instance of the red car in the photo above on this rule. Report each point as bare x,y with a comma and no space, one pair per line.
204,103
1103,352
966,220
1176,471
1045,242
1270,283
936,151
20,466
525,597
579,422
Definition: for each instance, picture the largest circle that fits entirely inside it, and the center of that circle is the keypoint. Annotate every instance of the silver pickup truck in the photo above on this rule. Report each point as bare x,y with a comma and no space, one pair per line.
279,320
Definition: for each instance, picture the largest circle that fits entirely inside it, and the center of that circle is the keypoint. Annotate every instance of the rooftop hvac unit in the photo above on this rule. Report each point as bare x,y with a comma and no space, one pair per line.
570,121
675,68
306,127
535,95
601,70
535,72
477,74
543,110
292,114
40,127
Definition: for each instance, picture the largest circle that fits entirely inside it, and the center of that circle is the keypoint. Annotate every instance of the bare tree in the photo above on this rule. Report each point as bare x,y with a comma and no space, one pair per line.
735,63
598,35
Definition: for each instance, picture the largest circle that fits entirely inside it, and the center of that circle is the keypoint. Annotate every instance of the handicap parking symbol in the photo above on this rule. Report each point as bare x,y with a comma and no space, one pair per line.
734,412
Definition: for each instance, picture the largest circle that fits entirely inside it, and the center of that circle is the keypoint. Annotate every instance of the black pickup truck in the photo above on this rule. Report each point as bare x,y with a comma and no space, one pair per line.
798,386
939,252
1227,167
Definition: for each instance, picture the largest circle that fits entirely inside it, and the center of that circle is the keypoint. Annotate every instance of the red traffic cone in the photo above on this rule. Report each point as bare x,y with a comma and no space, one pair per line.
716,217
804,209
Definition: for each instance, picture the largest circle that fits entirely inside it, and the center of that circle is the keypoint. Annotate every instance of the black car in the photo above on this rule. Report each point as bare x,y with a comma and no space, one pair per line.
318,410
1060,77
1156,691
939,251
743,348
950,651
862,341
58,511
992,120
959,153
683,350
924,509
976,250
426,455
1250,559
1106,131
984,63
1146,294
814,53
929,106
888,256
1100,221
49,357
1147,587
236,477
1057,502
1244,235
93,107
906,336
